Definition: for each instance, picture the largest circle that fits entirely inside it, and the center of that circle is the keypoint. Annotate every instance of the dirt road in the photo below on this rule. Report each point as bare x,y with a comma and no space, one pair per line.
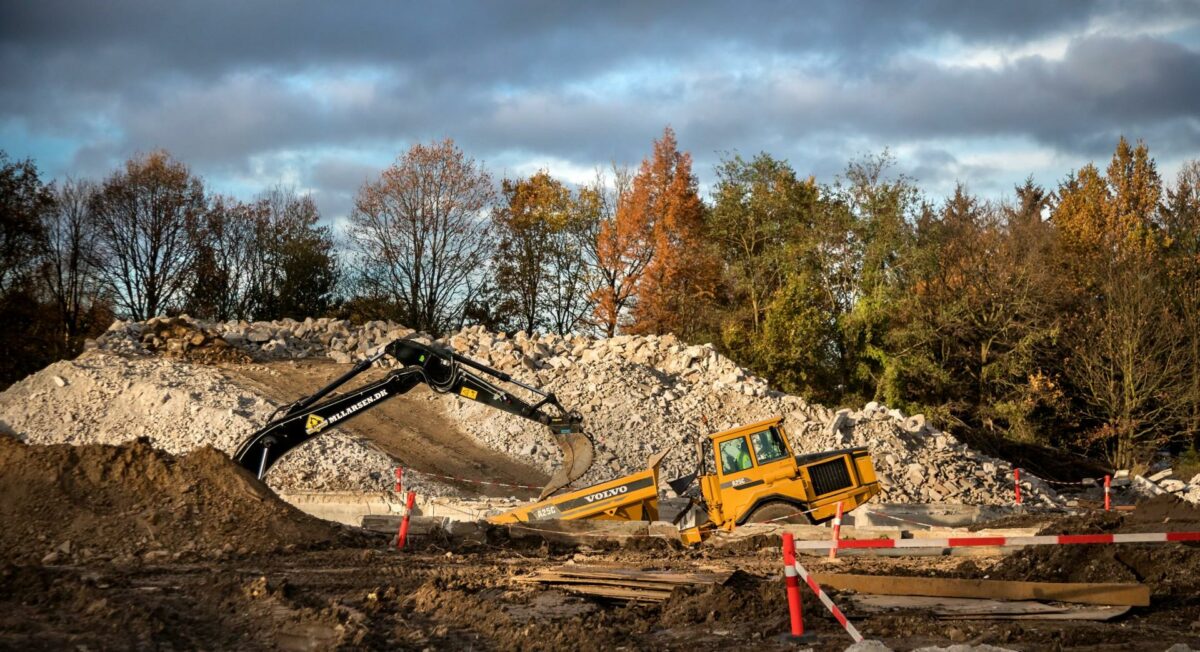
408,428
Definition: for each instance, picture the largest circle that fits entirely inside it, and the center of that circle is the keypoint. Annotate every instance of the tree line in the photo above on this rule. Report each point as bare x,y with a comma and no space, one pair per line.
1068,316
147,240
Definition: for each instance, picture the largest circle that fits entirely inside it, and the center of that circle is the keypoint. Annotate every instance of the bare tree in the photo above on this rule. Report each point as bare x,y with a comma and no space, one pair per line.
421,233
1130,365
146,214
69,262
1181,217
294,269
226,253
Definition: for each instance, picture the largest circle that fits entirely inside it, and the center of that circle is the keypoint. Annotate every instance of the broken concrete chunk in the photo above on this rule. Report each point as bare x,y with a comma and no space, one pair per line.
1172,485
1155,477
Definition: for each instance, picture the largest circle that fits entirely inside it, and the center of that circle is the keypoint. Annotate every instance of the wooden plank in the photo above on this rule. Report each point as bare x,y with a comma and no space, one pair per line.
617,593
639,575
657,586
948,606
621,583
1137,595
1097,613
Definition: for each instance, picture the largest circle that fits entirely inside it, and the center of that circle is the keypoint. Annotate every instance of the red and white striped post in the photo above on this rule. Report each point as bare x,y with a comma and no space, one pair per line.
825,600
402,535
1017,483
399,479
1107,497
837,532
792,580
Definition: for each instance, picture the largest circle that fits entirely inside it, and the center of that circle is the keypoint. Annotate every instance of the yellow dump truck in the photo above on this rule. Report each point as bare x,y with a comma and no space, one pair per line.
747,474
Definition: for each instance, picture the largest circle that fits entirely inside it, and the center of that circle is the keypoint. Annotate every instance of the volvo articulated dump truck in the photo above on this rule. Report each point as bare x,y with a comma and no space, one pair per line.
746,475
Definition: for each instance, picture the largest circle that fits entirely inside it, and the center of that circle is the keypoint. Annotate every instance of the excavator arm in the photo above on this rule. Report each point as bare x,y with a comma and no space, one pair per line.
444,371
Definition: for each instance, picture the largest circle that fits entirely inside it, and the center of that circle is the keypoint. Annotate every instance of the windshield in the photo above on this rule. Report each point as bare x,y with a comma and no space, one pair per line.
735,456
768,446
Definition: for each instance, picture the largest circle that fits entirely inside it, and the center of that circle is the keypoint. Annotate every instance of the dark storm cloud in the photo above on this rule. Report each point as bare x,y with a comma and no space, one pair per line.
227,85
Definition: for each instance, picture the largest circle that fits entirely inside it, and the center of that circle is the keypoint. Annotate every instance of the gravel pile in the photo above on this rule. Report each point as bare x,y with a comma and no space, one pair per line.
638,395
102,398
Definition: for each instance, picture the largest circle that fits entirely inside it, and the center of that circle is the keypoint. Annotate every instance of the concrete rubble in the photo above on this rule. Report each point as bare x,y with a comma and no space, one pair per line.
1164,483
637,394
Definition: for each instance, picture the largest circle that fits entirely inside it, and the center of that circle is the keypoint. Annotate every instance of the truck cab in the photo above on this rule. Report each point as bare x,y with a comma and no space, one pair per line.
750,474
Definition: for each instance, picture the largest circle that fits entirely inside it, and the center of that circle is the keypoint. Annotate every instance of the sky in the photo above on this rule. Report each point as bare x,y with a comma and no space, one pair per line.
321,96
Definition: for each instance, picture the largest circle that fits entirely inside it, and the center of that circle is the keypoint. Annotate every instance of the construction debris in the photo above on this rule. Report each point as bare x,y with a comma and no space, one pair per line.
1137,595
979,609
181,338
638,394
622,583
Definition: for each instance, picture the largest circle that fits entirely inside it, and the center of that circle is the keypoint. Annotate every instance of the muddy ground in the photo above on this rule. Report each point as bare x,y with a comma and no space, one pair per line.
373,598
127,547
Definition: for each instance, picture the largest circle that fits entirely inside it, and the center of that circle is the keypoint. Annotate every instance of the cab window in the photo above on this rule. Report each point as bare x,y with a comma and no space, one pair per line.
768,446
735,456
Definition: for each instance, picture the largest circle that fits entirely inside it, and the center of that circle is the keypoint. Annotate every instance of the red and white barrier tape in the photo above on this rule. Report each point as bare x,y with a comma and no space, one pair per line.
824,597
966,542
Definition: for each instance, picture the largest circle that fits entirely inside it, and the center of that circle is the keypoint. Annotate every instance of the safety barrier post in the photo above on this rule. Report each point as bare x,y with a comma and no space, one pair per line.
1017,483
825,600
399,479
1107,497
837,532
792,580
402,535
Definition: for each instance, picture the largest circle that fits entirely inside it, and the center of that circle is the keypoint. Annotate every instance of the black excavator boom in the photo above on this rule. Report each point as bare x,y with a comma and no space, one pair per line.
444,371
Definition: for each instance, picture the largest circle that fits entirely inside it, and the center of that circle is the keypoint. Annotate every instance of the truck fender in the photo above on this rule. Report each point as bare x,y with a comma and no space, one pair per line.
770,498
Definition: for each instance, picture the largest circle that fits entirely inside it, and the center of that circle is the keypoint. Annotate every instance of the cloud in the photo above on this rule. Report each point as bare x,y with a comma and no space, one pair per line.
325,93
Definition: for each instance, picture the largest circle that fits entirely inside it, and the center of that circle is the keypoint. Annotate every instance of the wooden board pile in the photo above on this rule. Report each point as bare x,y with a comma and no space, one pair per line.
623,584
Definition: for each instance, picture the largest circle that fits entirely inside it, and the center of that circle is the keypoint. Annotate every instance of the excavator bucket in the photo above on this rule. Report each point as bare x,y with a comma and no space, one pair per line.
577,450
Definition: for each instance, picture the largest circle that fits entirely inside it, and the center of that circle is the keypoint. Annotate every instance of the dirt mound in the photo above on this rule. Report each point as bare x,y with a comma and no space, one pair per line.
62,503
1164,513
1170,569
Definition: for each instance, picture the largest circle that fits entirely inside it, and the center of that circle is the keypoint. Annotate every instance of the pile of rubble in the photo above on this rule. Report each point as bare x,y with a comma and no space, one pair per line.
643,394
1161,483
101,398
176,337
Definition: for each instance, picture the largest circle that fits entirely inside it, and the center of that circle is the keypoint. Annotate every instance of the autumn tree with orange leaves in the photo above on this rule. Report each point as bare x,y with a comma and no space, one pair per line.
623,248
681,275
1127,361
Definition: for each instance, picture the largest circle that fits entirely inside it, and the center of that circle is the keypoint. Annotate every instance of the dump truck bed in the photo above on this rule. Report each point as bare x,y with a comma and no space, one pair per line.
632,497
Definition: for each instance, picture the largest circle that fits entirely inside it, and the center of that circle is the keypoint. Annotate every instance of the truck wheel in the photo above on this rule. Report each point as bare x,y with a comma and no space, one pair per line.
777,511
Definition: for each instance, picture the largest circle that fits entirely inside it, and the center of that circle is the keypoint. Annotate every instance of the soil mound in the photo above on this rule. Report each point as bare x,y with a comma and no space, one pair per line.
61,503
1170,569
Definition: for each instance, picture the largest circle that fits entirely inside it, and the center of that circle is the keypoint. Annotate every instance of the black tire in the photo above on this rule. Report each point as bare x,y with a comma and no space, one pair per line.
777,511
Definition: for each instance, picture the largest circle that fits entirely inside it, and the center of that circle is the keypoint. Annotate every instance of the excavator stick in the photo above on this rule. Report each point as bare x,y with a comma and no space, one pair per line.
445,372
577,451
